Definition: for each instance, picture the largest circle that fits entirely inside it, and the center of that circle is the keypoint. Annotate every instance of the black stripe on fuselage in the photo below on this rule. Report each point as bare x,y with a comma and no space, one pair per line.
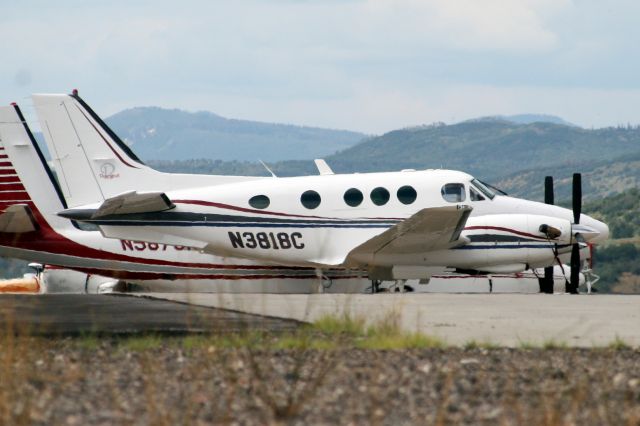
168,218
499,238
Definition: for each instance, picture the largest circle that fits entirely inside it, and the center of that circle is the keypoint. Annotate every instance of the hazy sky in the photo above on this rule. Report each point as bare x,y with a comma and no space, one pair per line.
368,65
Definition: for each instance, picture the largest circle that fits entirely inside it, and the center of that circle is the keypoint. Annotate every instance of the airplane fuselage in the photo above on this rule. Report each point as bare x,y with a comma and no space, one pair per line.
314,221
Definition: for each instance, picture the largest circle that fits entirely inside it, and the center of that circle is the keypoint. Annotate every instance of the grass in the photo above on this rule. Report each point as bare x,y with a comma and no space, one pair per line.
385,333
618,344
483,344
552,344
326,333
141,343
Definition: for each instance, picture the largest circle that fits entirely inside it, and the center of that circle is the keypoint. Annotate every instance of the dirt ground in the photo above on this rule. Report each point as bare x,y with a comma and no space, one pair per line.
184,380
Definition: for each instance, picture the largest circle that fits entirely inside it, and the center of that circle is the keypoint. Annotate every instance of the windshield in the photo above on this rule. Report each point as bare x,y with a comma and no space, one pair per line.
483,188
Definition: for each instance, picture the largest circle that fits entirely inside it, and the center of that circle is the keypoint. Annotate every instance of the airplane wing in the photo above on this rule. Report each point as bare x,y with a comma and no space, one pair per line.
18,219
430,229
128,202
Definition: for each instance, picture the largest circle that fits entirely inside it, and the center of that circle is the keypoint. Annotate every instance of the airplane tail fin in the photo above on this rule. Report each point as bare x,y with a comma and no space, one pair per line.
27,184
93,163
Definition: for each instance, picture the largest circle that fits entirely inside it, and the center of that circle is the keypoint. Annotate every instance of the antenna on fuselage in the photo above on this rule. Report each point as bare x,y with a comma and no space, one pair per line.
268,169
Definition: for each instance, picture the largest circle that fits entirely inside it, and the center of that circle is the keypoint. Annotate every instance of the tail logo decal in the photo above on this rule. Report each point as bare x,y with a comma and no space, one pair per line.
107,171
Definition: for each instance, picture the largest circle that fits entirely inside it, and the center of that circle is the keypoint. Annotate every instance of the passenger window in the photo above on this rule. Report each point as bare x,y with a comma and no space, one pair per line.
475,195
310,199
406,194
259,202
353,197
453,192
380,196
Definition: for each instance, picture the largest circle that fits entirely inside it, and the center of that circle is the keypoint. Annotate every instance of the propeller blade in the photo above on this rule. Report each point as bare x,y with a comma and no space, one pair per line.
575,270
548,190
577,197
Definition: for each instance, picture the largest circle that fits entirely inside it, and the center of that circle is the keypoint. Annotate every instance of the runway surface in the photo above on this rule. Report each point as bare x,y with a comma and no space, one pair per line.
53,314
501,319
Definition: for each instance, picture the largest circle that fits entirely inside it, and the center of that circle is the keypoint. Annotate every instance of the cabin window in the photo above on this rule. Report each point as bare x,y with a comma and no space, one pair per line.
259,202
475,195
406,194
310,199
453,192
380,196
353,197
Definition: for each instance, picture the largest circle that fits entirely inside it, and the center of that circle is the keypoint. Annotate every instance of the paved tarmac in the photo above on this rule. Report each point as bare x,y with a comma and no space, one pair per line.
54,314
501,319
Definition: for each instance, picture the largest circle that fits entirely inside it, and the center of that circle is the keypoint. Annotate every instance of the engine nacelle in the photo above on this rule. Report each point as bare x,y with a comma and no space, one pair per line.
520,227
518,239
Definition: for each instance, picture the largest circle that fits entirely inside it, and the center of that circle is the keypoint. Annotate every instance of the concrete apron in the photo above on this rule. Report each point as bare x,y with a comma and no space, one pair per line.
510,320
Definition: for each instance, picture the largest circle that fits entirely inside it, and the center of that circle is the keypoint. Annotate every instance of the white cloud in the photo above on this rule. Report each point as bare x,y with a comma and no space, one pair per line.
370,65
465,24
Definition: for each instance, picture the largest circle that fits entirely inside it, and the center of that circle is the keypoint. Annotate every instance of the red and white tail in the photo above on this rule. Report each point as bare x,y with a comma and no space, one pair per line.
93,163
12,190
25,177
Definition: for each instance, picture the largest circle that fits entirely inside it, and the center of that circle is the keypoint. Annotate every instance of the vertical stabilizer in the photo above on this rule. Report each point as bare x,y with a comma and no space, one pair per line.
93,163
26,177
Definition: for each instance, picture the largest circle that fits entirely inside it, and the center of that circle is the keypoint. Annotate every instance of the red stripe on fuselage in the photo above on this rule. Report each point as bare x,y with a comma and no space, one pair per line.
500,228
247,210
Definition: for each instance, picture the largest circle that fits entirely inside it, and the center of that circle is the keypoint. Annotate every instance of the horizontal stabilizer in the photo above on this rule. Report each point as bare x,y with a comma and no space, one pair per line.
430,229
17,219
126,203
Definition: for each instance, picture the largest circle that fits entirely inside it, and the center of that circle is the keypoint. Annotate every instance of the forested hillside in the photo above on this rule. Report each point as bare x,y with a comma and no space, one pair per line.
618,261
162,134
515,157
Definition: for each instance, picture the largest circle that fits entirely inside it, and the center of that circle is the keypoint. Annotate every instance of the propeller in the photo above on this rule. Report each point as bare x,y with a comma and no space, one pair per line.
572,286
546,283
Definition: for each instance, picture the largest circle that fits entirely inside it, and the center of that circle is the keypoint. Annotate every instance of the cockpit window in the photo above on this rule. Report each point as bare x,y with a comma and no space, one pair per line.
475,195
453,192
483,188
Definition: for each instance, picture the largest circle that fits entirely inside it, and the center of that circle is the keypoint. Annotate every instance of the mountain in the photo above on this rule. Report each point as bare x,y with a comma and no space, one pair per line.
617,261
172,134
533,118
491,150
599,179
514,157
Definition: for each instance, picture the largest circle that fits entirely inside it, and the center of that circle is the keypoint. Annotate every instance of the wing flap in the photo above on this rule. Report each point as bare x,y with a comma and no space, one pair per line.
430,229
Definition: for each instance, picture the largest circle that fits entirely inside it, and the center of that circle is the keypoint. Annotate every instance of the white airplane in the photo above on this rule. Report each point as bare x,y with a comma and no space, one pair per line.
33,232
401,225
30,229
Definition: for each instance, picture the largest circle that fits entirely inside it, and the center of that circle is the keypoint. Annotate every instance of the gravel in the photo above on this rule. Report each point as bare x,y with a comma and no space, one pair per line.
79,381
